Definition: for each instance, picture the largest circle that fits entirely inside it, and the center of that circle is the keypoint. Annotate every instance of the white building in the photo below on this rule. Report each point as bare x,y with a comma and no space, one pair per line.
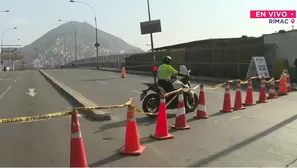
285,46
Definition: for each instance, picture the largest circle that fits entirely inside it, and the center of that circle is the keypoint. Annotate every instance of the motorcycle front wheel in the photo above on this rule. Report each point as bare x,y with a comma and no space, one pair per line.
191,103
151,104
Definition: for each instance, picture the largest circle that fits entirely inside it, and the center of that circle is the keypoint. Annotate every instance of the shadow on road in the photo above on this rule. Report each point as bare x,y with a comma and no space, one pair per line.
205,161
112,158
144,121
117,156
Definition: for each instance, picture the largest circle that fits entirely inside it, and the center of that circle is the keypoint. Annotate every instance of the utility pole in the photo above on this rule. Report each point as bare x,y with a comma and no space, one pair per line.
151,34
65,52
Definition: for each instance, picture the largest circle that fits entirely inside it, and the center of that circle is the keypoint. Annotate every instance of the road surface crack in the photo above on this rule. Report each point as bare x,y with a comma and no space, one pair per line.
288,165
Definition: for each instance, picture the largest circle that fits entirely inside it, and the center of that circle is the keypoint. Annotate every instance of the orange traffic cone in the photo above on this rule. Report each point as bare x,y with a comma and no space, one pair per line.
288,82
262,95
238,99
227,100
132,142
77,149
123,74
282,88
201,109
272,92
181,119
162,132
249,100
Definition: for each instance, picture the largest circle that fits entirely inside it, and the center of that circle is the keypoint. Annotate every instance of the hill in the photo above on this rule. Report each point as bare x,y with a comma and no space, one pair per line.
48,50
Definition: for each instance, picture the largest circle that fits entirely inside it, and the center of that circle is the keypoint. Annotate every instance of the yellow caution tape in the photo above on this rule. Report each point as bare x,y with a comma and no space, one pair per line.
142,112
34,118
241,82
215,86
58,114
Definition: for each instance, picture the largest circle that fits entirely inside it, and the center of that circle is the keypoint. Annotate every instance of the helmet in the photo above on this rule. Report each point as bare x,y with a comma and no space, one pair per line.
167,60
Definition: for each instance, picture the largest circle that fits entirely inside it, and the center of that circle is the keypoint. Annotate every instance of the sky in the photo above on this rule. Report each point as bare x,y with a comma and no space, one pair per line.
181,20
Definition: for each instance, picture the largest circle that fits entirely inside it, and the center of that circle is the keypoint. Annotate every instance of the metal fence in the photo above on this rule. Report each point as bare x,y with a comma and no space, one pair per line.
218,61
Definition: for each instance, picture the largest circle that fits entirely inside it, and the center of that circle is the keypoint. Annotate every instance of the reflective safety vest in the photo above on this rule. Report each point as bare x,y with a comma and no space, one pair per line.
165,71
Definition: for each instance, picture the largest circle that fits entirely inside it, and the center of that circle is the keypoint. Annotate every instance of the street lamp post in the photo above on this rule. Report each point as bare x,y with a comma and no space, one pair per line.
5,11
96,31
64,41
2,44
75,43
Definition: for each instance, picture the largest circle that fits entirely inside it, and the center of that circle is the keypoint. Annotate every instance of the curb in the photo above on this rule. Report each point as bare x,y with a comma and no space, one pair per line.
96,115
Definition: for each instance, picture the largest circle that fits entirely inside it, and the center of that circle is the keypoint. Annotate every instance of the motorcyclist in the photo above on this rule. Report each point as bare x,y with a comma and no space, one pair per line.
165,72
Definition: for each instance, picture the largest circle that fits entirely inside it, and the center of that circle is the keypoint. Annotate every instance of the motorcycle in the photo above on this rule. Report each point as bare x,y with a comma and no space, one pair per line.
150,102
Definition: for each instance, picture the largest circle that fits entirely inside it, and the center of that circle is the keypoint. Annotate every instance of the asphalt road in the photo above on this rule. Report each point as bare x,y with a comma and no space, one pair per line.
42,143
262,135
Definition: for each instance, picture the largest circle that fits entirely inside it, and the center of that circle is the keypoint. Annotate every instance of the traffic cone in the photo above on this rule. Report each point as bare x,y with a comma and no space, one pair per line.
282,88
201,109
272,92
249,100
181,119
123,74
132,143
162,132
288,82
262,95
238,99
227,100
77,149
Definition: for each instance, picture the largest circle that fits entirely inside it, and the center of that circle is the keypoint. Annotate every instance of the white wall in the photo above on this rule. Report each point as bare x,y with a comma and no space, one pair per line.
286,45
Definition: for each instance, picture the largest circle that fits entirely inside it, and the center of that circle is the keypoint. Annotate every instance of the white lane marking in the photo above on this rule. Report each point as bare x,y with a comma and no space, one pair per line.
14,81
32,92
81,76
220,93
135,91
6,79
144,81
236,117
92,88
102,82
3,94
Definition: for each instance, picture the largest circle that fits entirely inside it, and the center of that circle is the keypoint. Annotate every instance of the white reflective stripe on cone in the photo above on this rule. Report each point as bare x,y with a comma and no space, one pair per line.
201,107
227,92
271,91
180,97
237,90
180,111
250,87
76,135
262,85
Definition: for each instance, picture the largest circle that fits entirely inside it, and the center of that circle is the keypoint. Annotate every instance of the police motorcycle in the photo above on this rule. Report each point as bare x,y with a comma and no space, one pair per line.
150,102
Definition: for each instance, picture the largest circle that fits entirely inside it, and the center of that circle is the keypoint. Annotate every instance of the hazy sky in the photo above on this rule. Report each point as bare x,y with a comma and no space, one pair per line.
182,20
